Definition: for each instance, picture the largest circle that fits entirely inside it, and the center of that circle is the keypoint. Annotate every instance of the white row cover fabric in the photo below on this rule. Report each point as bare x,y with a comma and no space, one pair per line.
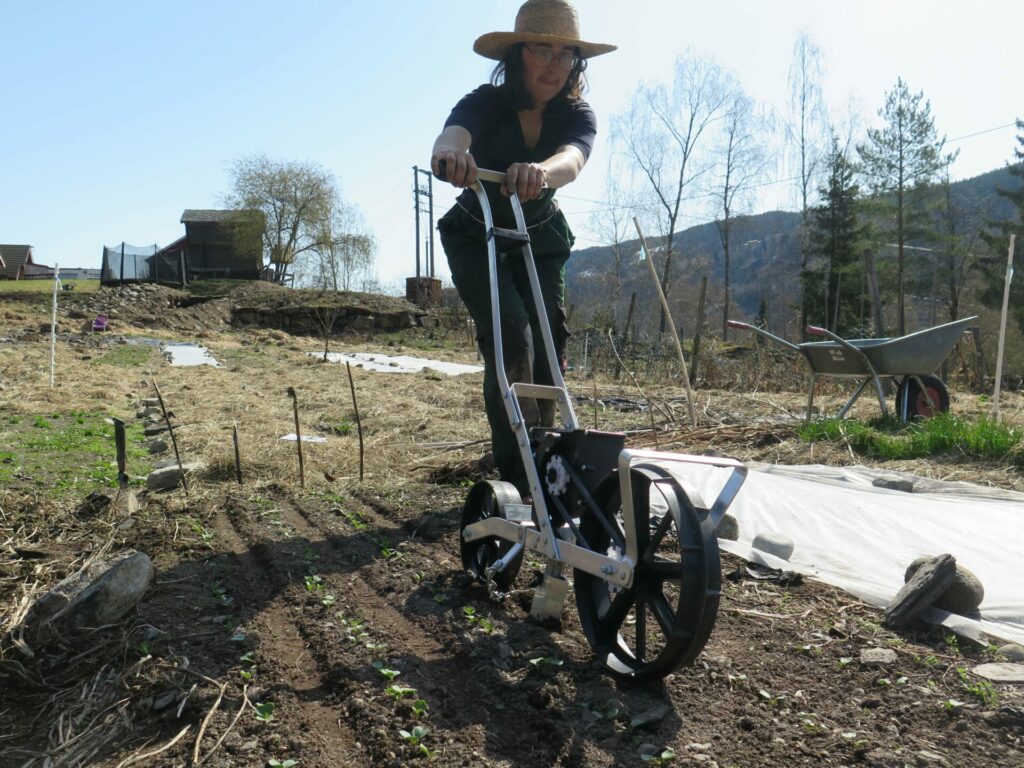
397,363
861,539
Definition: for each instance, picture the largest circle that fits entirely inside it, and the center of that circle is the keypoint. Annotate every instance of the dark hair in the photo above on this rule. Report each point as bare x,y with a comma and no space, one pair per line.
508,76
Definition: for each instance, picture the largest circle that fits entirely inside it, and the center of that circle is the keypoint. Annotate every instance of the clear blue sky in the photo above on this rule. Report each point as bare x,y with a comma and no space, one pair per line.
116,116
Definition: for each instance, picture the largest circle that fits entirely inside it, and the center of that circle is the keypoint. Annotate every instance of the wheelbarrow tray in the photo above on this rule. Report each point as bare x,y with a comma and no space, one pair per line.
916,354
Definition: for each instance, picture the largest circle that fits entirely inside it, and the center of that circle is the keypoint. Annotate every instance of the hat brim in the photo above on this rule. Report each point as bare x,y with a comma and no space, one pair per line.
494,45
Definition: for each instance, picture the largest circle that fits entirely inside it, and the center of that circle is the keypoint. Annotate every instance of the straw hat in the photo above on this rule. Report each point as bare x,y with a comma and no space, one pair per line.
541,21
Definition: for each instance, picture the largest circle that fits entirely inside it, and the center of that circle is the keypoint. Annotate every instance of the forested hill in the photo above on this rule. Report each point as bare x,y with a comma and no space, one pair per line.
765,257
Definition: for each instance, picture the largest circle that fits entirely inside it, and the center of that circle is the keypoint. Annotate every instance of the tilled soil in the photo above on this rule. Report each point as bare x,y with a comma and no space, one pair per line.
306,603
325,625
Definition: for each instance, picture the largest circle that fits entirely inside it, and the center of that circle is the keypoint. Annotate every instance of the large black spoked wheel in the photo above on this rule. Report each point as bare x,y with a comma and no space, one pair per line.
488,498
664,619
911,402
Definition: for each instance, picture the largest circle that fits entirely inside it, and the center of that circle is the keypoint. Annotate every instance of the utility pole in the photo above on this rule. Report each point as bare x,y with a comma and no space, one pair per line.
427,192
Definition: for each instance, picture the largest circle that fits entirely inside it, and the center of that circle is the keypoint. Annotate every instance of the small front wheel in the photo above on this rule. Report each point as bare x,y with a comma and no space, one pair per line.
488,498
911,402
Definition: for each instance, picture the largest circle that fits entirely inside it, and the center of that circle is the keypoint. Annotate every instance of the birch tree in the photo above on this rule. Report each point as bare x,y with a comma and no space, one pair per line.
664,134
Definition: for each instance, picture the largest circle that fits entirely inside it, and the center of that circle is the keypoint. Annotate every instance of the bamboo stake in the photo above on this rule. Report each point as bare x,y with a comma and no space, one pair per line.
53,327
298,434
174,440
650,410
238,455
672,325
359,424
1002,328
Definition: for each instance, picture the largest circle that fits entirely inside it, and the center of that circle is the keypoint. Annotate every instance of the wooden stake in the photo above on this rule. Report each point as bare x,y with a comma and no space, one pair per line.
359,424
1002,328
698,331
238,455
122,454
53,327
595,396
298,434
174,440
671,324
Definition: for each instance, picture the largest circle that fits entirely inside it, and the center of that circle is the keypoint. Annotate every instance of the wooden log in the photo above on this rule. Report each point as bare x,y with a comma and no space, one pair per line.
923,589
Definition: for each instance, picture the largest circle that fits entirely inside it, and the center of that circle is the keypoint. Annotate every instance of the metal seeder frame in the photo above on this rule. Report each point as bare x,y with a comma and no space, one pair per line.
647,575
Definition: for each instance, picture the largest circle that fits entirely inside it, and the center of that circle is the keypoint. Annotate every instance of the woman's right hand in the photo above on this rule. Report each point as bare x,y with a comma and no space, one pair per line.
459,167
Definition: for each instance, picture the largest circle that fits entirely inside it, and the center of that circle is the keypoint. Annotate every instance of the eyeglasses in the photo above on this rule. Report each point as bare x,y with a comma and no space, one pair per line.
566,59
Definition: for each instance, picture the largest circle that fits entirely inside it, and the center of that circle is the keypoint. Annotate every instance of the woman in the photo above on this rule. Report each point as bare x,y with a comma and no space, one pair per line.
532,123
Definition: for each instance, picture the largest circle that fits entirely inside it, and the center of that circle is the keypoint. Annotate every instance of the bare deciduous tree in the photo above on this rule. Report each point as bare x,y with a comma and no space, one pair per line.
663,135
345,252
612,223
742,160
295,198
806,130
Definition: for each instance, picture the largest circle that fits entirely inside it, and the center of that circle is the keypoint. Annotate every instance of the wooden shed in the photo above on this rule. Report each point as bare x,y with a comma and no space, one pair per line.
223,244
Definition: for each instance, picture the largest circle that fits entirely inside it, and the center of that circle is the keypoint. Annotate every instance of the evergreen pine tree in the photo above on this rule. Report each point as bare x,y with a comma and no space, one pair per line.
899,161
993,266
833,279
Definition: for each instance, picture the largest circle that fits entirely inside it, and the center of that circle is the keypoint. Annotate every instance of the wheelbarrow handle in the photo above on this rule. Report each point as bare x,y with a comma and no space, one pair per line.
815,330
762,332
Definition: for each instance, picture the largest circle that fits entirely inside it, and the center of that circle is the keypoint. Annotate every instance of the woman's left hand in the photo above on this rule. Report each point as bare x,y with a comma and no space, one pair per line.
527,179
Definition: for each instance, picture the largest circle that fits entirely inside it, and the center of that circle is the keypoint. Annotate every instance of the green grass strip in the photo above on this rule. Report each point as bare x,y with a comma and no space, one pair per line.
942,435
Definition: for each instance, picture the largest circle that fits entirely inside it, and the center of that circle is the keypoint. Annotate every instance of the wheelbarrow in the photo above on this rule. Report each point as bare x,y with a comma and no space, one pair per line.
910,361
640,539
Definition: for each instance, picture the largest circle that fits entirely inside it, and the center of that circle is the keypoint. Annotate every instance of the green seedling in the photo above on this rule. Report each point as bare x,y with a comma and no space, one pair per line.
265,711
427,752
420,707
327,601
390,674
952,705
371,646
275,763
980,689
145,649
221,595
845,661
415,736
399,692
314,583
666,756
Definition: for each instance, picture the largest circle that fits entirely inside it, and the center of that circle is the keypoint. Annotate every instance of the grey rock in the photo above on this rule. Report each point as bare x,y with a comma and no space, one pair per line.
729,528
169,477
99,594
649,716
148,412
877,657
777,544
165,700
1012,651
647,749
963,595
1001,673
149,402
158,446
894,484
883,758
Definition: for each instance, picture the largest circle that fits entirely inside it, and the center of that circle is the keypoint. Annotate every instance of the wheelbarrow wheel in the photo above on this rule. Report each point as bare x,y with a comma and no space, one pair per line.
662,621
488,498
911,402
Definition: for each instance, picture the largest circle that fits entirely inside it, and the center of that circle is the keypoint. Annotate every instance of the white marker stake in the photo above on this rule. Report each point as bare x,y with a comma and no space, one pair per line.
53,325
1002,330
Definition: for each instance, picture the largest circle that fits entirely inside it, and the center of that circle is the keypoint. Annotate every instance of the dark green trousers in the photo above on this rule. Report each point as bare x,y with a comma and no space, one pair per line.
522,342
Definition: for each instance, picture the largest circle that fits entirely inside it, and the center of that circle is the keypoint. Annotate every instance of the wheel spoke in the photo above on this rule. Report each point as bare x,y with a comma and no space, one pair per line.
619,609
661,570
641,630
663,612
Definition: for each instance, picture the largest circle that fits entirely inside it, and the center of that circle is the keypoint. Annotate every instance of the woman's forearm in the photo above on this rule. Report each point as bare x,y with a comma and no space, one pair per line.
563,167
